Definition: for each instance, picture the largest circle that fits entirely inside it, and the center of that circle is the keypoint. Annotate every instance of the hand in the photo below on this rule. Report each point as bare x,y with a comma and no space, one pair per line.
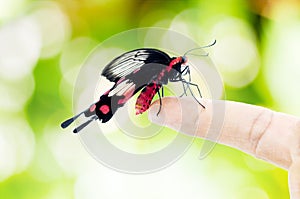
266,134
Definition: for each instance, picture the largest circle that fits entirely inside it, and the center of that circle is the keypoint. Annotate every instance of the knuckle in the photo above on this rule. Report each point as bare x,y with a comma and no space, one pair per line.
297,128
296,140
259,127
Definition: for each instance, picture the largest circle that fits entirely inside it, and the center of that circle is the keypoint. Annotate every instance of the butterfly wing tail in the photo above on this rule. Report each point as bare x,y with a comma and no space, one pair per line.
90,112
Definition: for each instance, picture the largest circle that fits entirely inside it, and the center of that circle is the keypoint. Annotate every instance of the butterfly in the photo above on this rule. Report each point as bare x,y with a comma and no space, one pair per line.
144,69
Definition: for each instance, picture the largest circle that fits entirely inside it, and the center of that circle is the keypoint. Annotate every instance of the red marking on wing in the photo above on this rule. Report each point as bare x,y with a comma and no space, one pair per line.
120,80
160,75
92,108
104,109
136,70
144,100
106,93
127,95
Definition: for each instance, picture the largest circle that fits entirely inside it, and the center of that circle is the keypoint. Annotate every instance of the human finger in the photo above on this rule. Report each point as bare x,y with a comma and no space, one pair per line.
253,129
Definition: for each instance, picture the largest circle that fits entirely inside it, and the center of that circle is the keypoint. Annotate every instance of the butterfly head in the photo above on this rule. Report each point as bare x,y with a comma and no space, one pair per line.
184,59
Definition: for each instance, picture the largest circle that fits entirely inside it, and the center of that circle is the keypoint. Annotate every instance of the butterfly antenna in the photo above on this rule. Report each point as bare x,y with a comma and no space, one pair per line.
207,46
205,55
76,130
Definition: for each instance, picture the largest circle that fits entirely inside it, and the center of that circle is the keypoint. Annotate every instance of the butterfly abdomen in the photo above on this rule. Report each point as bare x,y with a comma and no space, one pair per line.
145,98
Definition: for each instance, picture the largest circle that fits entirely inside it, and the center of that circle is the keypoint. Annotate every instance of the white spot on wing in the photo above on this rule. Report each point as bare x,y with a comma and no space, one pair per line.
121,88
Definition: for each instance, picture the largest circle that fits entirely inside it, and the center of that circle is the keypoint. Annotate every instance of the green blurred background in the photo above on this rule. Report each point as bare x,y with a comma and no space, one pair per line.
44,43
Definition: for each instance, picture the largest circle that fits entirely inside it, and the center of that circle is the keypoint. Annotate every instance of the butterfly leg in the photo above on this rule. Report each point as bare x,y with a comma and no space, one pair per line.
192,84
189,83
160,103
185,71
183,85
184,90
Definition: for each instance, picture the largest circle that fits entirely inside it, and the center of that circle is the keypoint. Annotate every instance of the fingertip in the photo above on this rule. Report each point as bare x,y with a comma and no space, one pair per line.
152,113
167,113
181,114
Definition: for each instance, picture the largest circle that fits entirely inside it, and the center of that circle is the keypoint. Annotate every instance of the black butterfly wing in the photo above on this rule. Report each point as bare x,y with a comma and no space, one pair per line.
131,72
136,63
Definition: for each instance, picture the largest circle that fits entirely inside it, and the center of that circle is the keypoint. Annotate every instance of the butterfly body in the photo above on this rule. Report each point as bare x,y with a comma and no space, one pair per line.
145,70
108,105
145,98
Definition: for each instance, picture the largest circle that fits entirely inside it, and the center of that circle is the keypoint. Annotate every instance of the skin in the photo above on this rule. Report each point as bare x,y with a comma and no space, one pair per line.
263,133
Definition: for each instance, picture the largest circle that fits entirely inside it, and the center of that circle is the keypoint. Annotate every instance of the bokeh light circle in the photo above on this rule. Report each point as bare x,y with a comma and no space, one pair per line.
20,48
236,54
16,147
54,26
17,93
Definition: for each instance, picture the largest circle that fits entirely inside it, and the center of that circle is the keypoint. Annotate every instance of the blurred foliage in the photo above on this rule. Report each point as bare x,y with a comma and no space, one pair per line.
253,54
